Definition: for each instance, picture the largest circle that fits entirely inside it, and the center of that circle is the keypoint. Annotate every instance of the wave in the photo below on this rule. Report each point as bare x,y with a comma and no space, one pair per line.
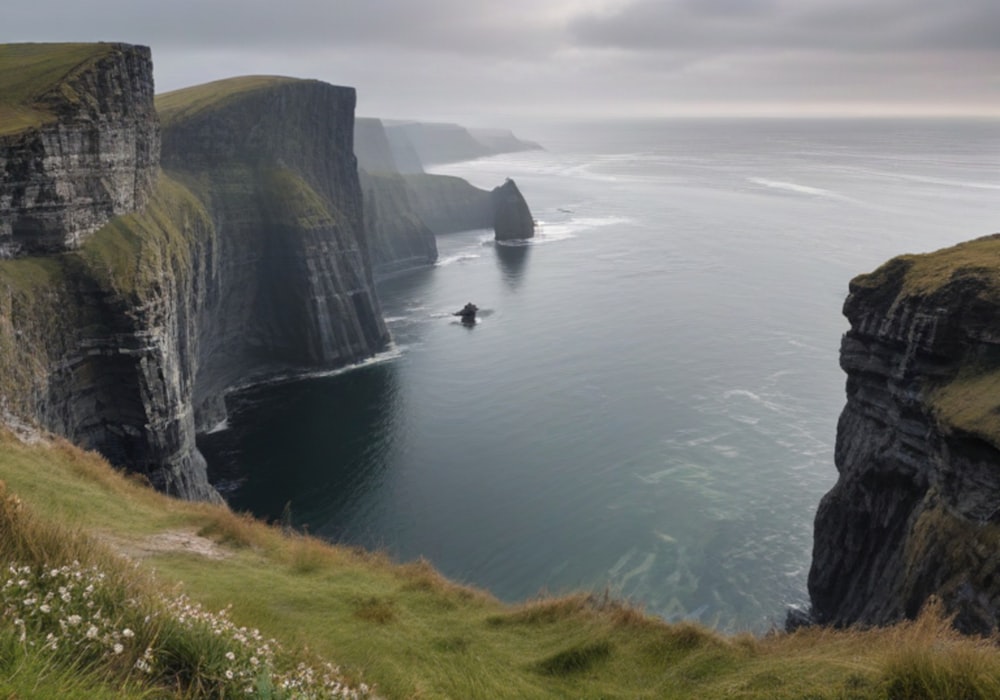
218,427
394,352
755,398
797,188
460,257
947,182
549,232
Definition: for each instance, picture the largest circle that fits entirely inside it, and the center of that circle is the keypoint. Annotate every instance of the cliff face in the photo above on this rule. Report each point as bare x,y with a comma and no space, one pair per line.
916,509
248,260
434,143
399,238
405,207
88,151
272,160
448,204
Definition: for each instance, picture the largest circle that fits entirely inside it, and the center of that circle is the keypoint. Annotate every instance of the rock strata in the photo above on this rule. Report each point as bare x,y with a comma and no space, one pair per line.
915,512
91,156
248,261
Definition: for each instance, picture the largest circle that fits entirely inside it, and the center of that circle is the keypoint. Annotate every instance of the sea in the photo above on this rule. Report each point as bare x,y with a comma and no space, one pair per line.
647,405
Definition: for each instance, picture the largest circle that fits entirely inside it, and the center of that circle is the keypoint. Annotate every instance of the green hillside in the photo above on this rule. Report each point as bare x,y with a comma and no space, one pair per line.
28,72
402,628
186,102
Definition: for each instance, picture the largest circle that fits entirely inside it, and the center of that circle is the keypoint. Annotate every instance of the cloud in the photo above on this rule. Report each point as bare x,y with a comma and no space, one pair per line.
844,25
585,58
440,26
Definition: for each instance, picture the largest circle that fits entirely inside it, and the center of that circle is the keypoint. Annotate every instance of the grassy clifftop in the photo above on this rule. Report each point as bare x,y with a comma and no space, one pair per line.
402,628
30,72
182,104
961,286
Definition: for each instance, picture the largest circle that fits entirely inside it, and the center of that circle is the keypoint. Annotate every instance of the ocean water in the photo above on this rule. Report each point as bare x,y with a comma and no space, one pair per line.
648,404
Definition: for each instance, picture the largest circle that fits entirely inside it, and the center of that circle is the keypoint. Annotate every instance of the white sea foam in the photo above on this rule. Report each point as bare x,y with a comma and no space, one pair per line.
460,257
744,393
799,189
924,179
394,352
218,427
552,231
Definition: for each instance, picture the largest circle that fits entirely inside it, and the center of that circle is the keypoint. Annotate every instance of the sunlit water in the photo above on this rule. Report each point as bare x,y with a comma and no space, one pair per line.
649,401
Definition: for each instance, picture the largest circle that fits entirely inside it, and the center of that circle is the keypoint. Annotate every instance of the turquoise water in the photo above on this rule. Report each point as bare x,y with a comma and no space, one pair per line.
649,401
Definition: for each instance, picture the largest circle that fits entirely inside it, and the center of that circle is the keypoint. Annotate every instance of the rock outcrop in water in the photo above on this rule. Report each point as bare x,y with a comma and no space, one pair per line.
512,219
248,260
405,207
79,147
916,509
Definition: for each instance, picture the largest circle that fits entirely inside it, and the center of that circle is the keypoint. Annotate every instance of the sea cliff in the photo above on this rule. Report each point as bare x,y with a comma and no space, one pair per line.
915,512
79,141
245,259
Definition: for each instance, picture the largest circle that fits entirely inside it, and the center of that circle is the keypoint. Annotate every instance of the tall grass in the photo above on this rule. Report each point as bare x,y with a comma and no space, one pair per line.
70,605
404,627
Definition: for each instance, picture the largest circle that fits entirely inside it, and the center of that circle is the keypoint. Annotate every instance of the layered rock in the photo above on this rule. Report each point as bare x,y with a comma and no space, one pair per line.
916,509
512,219
249,261
79,148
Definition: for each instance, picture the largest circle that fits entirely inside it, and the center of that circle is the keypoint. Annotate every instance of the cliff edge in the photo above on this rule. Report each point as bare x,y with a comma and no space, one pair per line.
79,141
915,512
247,261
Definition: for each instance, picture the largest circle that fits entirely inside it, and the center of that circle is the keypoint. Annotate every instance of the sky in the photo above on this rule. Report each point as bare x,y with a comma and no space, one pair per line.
493,63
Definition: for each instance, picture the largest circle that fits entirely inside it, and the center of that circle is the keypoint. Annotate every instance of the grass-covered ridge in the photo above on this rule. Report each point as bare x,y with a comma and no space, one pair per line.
178,105
402,627
969,398
28,72
928,273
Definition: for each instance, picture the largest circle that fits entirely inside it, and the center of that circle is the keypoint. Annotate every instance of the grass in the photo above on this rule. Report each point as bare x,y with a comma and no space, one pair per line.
971,403
292,203
969,399
928,273
28,72
415,634
134,253
178,105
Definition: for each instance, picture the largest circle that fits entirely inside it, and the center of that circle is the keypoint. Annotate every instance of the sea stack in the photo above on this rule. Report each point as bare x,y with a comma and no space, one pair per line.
512,219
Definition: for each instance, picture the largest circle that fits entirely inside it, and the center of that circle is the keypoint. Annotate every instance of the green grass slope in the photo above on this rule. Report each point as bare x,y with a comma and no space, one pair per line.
30,71
402,628
182,104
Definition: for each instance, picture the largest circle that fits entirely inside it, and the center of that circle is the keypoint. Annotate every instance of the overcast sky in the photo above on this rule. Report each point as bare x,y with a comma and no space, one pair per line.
492,62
